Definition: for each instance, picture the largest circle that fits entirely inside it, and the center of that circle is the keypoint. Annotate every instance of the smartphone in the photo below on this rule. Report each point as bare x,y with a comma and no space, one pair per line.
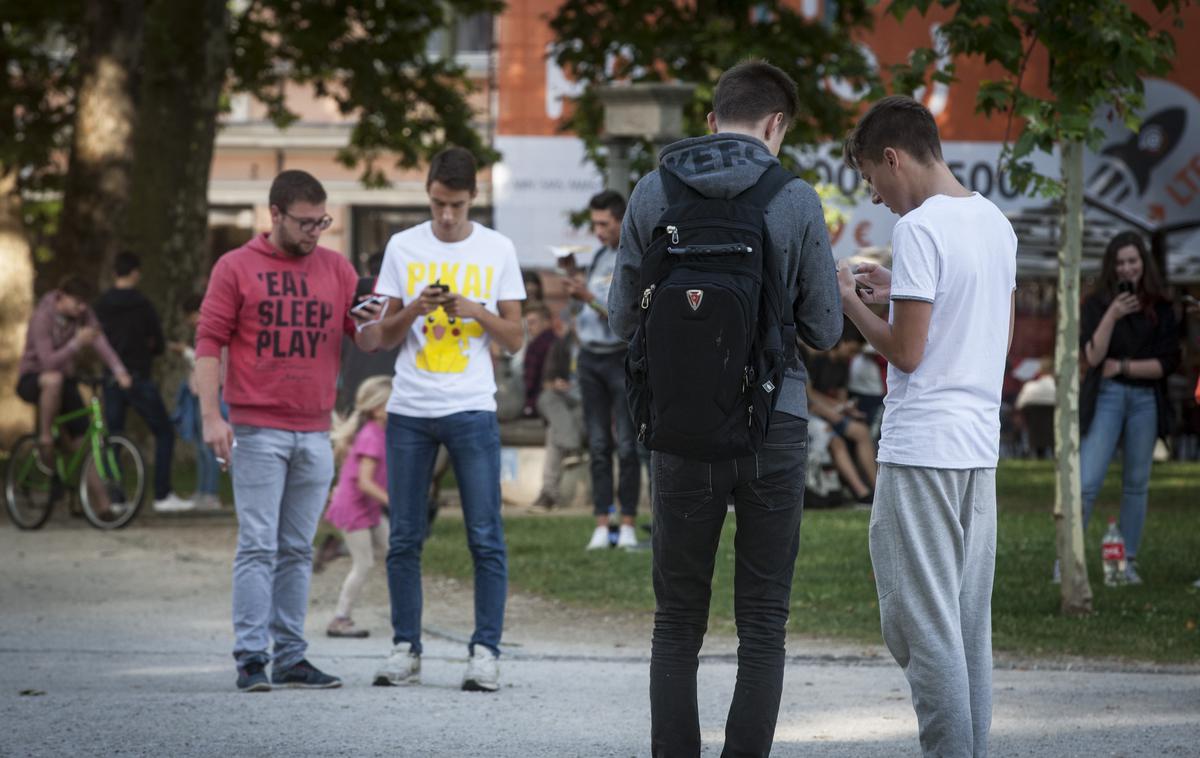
372,300
441,288
1125,287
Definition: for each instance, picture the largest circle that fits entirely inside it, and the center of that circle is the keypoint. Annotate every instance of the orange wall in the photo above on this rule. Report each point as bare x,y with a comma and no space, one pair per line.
524,35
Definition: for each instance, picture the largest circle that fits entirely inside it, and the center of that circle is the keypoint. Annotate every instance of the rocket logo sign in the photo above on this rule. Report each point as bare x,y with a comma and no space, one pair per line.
1151,178
694,297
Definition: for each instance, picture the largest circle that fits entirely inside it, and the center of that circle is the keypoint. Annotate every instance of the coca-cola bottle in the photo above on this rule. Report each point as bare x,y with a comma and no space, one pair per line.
1112,552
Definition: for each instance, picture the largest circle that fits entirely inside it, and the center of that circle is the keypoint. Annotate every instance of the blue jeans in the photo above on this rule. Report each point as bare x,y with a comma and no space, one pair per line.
473,440
280,483
602,385
690,500
144,398
1132,413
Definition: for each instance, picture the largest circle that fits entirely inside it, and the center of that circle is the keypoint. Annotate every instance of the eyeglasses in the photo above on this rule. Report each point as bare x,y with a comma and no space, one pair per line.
307,225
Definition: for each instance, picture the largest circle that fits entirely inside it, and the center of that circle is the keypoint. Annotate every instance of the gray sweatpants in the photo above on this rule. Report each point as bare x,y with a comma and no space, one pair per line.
933,548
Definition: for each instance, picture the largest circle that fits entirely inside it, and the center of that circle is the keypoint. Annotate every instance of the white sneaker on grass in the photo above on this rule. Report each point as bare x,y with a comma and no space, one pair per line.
627,537
599,539
483,671
402,666
173,503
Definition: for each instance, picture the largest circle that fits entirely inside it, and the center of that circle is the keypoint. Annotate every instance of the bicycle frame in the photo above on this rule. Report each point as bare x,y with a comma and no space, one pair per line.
67,466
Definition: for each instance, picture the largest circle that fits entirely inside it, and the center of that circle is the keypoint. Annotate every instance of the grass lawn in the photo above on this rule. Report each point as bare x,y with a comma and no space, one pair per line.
834,594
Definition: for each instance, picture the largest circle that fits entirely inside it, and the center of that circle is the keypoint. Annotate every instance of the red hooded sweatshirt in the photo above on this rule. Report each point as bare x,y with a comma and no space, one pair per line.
282,318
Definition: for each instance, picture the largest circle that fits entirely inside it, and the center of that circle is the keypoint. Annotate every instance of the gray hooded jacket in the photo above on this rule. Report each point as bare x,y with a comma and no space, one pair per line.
722,165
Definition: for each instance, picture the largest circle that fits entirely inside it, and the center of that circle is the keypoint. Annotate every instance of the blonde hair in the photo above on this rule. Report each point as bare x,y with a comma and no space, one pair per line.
372,394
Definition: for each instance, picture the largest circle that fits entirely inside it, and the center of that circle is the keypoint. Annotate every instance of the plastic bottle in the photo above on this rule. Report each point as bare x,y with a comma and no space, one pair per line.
1112,552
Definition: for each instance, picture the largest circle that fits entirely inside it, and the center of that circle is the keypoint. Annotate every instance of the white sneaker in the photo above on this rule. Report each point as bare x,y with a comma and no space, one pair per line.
173,503
627,537
483,671
402,666
1196,584
599,539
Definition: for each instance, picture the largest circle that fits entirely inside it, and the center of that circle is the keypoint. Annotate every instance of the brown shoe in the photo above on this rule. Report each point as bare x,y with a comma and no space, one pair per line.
344,627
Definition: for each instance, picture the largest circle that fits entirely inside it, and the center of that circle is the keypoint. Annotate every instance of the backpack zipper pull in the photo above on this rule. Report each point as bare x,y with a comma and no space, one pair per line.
642,433
674,232
750,413
646,296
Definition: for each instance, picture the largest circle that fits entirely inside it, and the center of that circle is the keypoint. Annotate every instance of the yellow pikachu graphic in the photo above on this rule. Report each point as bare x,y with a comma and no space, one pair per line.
446,343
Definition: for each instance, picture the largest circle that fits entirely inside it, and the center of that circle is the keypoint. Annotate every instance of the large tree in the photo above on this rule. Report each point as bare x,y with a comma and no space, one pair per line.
36,79
1098,52
125,93
98,176
603,41
179,101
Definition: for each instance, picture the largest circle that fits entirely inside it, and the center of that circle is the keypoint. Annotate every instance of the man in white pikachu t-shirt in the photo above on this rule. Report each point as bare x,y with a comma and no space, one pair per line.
933,521
454,286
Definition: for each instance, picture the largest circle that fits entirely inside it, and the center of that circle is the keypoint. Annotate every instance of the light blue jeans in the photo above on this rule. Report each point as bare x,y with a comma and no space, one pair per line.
473,439
1121,411
280,483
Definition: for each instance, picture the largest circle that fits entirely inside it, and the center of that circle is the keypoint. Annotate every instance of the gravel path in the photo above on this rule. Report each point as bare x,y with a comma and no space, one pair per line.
119,644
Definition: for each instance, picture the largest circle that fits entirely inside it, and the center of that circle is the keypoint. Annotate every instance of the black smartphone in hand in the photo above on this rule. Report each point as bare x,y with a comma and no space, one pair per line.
1125,287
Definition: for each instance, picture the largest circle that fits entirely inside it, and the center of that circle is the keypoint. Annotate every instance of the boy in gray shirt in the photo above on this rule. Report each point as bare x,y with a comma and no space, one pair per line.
753,105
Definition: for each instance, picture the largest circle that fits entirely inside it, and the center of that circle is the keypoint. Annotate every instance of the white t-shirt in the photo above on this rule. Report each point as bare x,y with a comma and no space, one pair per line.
959,253
444,366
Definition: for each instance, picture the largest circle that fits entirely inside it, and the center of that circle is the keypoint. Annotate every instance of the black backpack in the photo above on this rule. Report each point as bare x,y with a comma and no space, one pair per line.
706,362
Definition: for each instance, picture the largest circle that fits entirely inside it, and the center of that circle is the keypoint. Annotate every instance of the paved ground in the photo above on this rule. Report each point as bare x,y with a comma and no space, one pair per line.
119,644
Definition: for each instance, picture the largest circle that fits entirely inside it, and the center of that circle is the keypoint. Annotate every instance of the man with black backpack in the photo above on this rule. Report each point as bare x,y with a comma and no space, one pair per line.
724,260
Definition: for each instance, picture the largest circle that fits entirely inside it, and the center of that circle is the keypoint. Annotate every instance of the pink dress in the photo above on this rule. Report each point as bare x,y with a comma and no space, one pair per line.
350,508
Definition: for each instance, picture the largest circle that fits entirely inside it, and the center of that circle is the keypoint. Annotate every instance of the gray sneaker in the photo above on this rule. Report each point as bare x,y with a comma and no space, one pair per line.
1131,574
402,666
483,671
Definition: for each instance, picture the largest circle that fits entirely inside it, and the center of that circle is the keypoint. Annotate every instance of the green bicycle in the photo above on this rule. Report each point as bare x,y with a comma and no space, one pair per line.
108,470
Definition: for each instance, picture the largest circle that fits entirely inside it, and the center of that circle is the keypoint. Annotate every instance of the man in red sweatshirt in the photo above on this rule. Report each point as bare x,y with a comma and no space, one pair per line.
280,305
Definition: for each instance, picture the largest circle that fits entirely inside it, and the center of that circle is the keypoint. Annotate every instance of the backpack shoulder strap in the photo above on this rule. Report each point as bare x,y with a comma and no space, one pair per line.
676,189
767,187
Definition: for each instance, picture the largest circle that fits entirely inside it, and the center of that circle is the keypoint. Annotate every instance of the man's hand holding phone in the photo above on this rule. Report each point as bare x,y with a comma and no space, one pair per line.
873,283
369,310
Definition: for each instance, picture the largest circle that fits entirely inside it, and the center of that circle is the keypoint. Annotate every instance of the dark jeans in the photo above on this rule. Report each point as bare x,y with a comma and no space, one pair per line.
602,385
143,397
473,439
689,510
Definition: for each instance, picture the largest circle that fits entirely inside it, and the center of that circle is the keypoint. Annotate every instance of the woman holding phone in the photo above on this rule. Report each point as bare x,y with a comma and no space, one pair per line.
1129,343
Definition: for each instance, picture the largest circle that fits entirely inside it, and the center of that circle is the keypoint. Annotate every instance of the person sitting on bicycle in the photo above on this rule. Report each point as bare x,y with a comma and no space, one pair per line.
61,326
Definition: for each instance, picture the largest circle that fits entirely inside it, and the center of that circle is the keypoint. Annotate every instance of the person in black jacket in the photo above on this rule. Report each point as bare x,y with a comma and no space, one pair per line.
132,326
1129,341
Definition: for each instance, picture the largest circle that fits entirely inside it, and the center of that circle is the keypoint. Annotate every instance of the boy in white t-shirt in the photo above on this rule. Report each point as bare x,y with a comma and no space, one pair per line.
454,286
933,523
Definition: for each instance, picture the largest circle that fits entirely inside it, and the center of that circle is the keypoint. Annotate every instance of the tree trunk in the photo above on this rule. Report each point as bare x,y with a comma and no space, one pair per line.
186,57
16,282
97,184
1068,502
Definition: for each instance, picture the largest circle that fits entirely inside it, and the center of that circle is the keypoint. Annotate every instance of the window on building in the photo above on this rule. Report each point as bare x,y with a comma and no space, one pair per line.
473,35
373,226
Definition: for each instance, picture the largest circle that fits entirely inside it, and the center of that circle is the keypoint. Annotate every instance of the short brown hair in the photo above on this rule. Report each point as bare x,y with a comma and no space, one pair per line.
898,122
294,186
76,286
453,167
753,90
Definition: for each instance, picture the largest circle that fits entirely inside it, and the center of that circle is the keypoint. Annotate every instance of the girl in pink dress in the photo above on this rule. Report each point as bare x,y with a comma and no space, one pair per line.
360,495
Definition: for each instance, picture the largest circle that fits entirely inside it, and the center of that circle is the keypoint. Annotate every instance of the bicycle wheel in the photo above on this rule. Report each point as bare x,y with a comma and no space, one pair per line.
111,490
30,488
